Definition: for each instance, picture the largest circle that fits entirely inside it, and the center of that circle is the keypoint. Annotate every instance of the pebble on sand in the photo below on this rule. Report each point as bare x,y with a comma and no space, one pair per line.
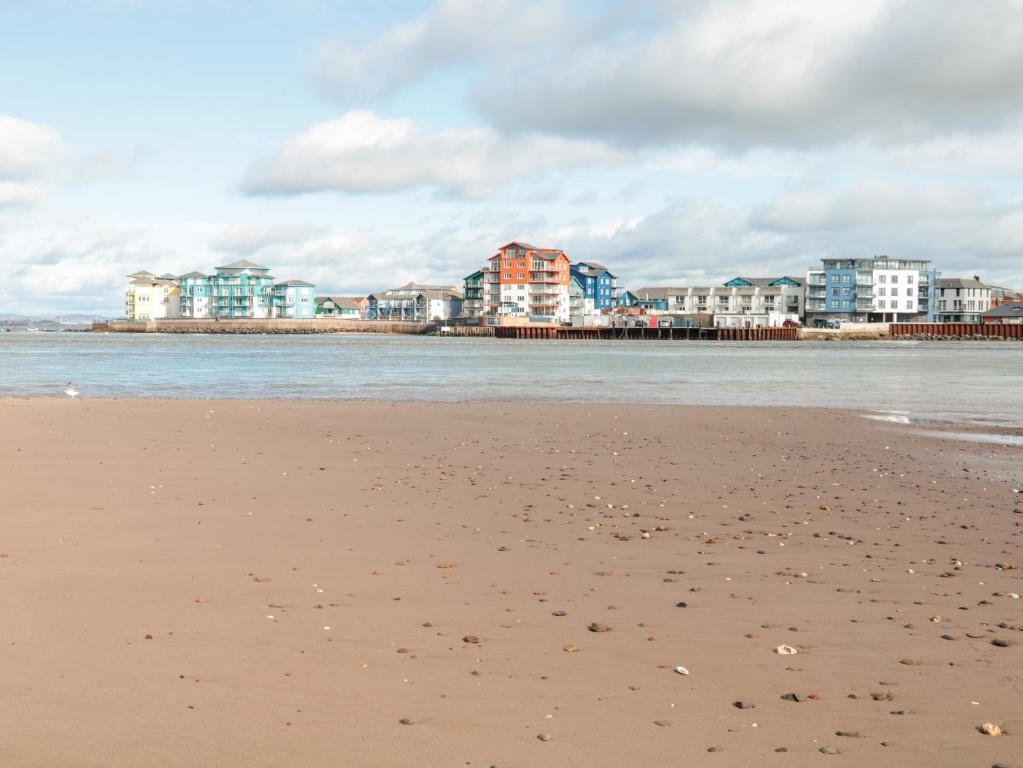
598,627
990,729
785,650
474,639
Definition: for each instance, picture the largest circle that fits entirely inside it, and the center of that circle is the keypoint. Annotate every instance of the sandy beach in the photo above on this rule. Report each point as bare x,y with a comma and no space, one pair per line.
273,583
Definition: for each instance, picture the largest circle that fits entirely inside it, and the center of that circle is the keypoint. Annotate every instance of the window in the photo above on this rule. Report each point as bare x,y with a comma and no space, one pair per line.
909,305
882,278
882,291
894,304
895,278
834,292
834,278
846,278
845,291
507,275
521,276
909,279
909,291
845,305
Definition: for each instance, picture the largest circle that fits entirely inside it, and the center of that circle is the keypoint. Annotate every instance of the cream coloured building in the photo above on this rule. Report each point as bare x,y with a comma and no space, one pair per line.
152,297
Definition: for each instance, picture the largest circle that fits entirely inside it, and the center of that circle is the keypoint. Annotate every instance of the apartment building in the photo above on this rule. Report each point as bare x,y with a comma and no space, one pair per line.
529,283
876,289
600,286
151,297
472,297
961,299
293,299
241,289
743,302
415,302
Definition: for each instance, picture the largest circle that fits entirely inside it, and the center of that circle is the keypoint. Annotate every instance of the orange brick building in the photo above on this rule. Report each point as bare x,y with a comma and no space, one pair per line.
524,281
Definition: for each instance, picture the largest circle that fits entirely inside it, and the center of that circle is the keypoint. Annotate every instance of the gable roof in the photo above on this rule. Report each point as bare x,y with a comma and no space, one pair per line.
1009,309
141,273
294,284
343,302
591,269
764,282
192,275
960,282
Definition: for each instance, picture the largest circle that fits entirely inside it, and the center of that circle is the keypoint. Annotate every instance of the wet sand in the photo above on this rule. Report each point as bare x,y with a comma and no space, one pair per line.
282,583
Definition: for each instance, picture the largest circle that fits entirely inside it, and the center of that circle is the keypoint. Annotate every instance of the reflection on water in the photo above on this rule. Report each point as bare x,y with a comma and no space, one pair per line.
975,383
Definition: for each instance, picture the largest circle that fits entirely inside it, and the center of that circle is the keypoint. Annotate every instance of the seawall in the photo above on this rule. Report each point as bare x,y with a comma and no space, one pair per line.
956,331
259,326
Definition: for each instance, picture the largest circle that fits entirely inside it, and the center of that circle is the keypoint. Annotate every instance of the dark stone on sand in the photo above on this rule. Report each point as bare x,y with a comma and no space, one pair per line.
791,697
474,639
681,605
598,627
407,721
559,613
743,705
1000,643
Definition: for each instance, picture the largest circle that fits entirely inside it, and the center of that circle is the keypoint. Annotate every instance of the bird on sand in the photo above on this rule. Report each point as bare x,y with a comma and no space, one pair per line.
70,390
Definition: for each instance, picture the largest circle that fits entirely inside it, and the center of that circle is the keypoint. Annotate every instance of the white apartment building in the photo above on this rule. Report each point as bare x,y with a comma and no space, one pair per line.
962,299
744,302
876,289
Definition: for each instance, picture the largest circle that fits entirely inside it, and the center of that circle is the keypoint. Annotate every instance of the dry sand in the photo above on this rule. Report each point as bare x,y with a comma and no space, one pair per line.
280,584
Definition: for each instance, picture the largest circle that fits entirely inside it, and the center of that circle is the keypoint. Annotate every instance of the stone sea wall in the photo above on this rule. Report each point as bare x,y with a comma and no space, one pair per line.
259,326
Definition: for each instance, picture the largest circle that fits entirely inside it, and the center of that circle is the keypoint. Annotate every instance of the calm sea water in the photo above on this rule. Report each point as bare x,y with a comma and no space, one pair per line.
974,382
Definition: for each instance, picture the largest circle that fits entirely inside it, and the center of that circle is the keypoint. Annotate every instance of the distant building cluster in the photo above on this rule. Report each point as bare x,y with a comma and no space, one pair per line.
239,290
523,284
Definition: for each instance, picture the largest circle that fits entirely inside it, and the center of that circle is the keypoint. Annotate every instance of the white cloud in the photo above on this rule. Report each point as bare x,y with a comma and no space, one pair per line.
362,152
20,193
732,73
875,202
453,33
29,153
778,72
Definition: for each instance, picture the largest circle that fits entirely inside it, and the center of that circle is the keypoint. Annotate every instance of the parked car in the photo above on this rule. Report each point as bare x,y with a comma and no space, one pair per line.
822,322
792,324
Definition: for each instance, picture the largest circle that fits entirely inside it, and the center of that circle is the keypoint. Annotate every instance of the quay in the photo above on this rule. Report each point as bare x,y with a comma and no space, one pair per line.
646,333
258,326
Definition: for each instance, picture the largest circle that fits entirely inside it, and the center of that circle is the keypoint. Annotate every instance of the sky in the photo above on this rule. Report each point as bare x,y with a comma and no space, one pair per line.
360,145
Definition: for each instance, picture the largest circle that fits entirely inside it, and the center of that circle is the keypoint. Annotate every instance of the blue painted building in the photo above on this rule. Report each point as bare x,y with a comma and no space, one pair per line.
293,299
600,286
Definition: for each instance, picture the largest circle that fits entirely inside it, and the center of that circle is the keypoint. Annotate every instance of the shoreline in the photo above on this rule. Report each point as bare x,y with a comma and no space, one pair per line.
878,416
269,583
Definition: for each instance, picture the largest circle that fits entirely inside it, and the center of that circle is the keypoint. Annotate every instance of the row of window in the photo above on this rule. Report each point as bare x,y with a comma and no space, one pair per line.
882,291
880,278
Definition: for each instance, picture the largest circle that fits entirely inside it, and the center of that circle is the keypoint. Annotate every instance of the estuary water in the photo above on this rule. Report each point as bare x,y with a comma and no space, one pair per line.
954,382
